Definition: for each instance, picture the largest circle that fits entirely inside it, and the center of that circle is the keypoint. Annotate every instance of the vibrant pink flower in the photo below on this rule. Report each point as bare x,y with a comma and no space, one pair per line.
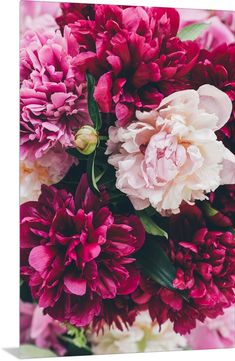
217,68
76,253
40,329
135,56
53,103
171,154
205,272
217,333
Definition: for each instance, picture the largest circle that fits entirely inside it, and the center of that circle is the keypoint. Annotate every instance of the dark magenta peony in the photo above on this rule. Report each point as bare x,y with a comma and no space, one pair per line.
223,200
76,254
135,56
217,68
72,12
205,272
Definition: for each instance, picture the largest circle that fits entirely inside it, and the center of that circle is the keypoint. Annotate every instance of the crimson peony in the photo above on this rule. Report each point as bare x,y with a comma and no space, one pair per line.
76,254
135,55
205,272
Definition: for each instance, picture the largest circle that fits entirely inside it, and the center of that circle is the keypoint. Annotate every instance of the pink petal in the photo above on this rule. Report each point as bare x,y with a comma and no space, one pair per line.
75,285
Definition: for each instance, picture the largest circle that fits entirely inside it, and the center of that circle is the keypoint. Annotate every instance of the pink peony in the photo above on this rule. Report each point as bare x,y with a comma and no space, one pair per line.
40,329
71,12
53,103
218,333
38,16
76,254
171,154
205,272
215,34
228,18
135,56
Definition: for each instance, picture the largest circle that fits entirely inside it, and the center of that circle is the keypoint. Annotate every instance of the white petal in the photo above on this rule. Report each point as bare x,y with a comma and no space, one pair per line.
214,101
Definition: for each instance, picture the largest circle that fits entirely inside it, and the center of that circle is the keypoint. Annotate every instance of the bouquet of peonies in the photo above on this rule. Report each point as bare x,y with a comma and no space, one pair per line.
127,140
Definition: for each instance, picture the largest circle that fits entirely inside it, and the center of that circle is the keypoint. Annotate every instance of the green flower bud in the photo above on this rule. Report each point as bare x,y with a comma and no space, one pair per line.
86,140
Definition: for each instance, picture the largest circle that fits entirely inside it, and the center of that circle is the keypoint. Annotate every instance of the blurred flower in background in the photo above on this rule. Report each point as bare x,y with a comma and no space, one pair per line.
49,169
39,329
39,16
143,336
216,333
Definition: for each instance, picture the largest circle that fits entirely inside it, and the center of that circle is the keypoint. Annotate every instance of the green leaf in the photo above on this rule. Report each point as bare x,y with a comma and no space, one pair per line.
155,264
91,173
208,209
150,226
75,153
31,351
92,105
193,31
78,336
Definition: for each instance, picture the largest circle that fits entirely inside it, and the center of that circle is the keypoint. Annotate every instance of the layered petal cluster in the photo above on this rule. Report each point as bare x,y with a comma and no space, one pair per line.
49,169
135,56
217,68
217,333
52,103
76,253
39,329
205,273
143,336
171,154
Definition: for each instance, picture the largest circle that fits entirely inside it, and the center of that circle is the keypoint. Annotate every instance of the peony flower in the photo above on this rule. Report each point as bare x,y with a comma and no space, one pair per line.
49,169
71,12
205,272
228,18
39,329
217,68
171,154
76,253
38,16
218,333
143,336
217,32
53,103
134,54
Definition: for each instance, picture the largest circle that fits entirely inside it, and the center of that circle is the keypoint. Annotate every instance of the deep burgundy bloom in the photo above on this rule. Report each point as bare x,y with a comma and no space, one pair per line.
223,200
217,68
135,56
72,12
205,272
76,253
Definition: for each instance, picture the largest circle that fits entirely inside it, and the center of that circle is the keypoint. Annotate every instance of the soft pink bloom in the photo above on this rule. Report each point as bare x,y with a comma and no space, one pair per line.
49,169
40,329
53,103
38,16
217,32
217,333
171,154
76,254
228,18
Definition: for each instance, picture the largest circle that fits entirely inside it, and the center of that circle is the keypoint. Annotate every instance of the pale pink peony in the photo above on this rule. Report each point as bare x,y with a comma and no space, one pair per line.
228,18
39,329
215,333
49,169
39,16
171,154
